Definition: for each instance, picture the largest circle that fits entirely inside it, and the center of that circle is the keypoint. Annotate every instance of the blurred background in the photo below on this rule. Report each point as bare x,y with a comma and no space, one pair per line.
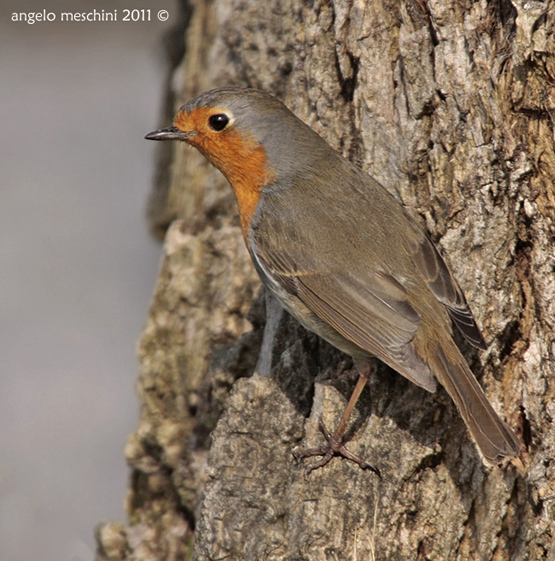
77,267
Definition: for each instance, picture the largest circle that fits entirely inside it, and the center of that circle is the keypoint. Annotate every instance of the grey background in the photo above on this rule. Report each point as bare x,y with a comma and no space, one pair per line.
77,268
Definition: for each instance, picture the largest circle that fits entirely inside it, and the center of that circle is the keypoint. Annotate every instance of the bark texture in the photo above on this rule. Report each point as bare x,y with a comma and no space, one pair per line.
450,105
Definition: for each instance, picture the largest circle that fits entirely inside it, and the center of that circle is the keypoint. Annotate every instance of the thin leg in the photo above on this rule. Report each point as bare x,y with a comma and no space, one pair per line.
274,313
335,444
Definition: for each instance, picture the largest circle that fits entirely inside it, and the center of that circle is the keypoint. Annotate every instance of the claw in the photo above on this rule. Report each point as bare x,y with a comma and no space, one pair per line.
334,447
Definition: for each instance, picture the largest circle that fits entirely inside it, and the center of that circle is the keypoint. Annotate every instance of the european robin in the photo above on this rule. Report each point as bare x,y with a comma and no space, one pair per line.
338,251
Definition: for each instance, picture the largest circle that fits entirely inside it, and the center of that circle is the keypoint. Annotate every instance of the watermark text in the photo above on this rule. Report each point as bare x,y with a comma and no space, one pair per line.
92,16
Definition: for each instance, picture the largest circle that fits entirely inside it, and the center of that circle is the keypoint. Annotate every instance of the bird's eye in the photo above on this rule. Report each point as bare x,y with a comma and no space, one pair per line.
218,122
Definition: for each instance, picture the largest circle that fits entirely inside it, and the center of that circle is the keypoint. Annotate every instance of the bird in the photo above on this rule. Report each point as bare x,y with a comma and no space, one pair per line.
341,255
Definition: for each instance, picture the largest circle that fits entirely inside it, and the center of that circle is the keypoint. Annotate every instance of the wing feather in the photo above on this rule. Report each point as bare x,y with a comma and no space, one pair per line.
445,288
374,313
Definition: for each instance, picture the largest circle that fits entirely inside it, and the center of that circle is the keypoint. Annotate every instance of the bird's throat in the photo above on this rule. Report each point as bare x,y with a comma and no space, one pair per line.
245,165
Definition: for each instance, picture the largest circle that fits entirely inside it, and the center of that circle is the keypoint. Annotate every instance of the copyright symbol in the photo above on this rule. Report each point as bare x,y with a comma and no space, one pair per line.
163,15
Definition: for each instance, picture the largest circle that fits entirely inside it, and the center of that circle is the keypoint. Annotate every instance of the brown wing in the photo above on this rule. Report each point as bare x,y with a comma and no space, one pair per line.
433,269
373,313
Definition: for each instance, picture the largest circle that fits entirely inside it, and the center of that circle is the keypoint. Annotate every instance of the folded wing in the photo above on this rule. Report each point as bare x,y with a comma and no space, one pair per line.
374,314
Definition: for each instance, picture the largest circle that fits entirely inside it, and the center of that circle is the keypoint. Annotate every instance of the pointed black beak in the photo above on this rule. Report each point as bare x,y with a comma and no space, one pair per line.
169,133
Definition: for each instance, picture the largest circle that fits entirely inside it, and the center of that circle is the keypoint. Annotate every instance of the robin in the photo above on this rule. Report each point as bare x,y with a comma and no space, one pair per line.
340,253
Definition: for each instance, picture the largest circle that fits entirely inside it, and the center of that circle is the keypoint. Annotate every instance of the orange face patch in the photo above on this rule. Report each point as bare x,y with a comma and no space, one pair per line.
236,154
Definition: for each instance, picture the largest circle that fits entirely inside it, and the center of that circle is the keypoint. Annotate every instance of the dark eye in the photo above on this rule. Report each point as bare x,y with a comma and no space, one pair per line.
218,122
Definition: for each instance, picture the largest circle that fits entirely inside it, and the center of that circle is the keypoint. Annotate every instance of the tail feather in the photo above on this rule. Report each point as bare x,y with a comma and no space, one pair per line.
494,437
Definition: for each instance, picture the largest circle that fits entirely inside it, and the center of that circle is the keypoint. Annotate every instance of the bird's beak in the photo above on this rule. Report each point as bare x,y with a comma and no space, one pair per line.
169,133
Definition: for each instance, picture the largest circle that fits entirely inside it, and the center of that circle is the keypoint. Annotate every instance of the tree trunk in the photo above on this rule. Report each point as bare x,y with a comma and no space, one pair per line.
450,105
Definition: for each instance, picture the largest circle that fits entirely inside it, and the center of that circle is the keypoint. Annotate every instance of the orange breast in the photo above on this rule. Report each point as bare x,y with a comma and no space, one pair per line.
236,154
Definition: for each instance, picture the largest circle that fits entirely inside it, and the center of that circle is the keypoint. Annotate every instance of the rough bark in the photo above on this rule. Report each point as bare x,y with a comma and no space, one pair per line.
450,105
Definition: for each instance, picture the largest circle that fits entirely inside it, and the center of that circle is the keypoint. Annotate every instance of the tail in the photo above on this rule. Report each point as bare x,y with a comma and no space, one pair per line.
494,437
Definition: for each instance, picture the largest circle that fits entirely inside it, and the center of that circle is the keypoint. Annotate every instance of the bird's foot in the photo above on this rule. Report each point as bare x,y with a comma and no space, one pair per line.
334,447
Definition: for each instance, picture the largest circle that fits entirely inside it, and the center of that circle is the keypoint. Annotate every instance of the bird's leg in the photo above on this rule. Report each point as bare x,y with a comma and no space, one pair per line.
335,443
274,313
